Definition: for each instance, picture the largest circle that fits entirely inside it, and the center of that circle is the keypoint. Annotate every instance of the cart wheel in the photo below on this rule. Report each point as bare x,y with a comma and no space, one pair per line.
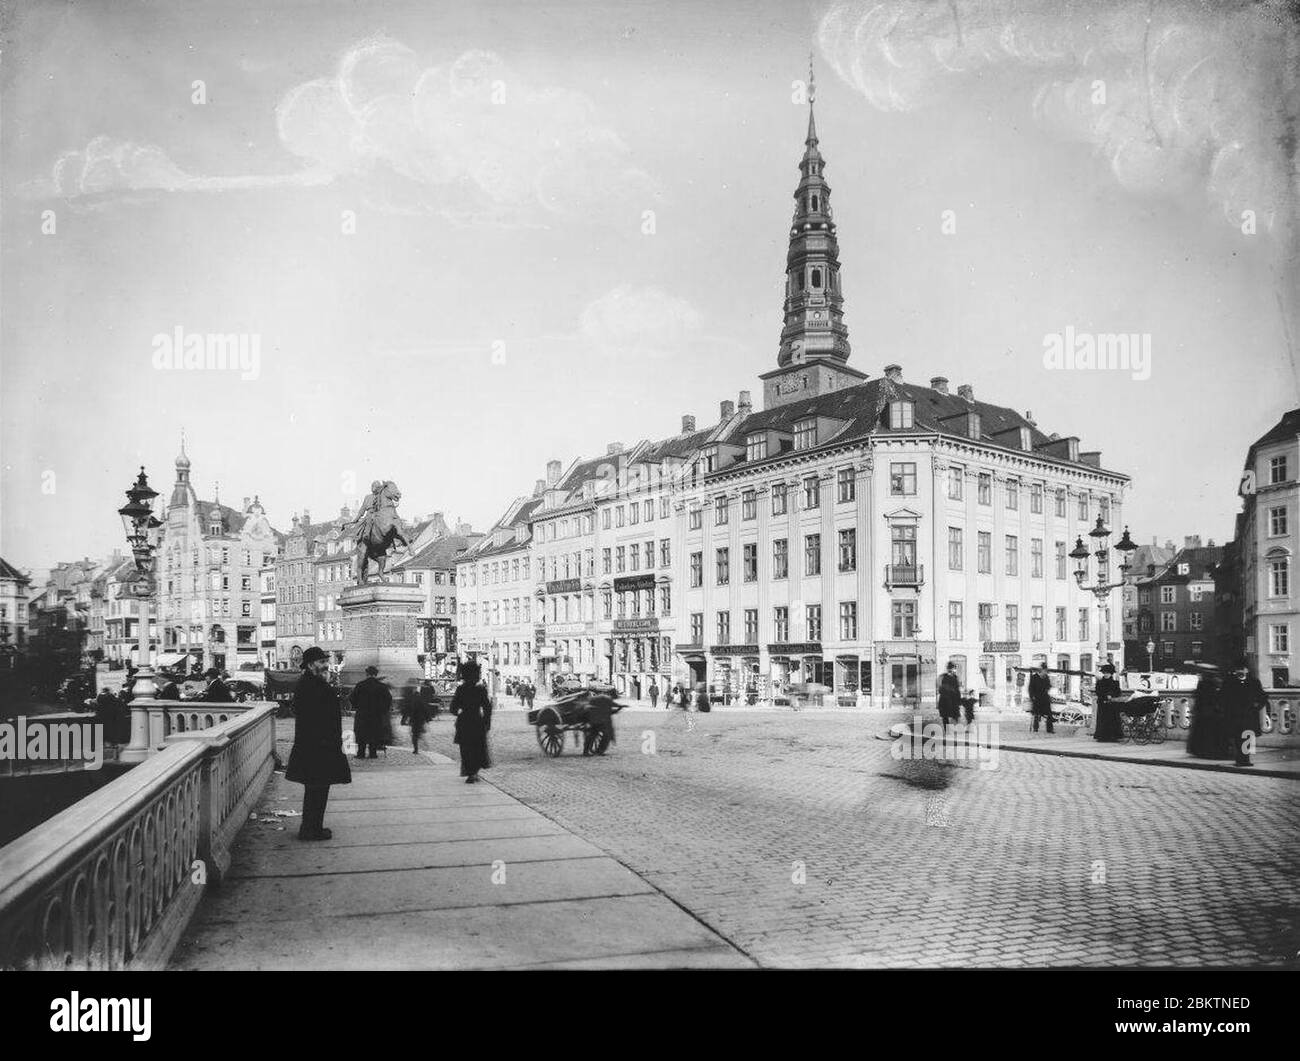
550,735
599,742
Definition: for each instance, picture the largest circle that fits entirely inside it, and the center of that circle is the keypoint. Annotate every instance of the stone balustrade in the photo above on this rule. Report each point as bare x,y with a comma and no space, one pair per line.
112,882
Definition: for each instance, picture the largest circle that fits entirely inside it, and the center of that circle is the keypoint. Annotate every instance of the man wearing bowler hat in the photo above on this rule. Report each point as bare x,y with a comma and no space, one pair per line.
316,760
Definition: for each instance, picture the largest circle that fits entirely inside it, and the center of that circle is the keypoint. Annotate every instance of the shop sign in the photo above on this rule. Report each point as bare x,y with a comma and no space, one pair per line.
1001,646
560,629
565,585
634,582
795,648
628,626
734,650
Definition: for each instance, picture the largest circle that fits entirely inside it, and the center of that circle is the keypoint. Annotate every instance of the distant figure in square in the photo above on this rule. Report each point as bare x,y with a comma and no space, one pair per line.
373,703
473,710
1040,696
1108,727
950,696
415,713
653,692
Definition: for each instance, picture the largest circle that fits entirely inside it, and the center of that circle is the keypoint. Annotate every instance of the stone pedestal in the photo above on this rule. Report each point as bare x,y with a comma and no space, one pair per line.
381,629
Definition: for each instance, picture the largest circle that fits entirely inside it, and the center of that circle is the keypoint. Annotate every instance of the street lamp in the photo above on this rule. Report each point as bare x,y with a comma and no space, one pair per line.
1102,587
1151,653
142,534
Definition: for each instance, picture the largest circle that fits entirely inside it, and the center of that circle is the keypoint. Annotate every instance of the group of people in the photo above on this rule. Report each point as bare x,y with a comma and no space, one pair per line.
317,760
1225,720
525,690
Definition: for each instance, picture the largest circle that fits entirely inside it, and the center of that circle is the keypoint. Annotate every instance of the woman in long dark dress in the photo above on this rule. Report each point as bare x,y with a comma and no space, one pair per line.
473,710
1208,736
1110,727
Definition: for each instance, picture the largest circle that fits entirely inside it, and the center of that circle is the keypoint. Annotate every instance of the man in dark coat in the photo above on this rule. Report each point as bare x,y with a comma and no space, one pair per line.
950,695
217,691
429,699
1208,738
316,760
1040,696
415,713
373,704
1242,698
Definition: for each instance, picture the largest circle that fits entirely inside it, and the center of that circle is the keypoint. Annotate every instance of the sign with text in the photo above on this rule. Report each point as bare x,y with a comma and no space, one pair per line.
1001,646
634,582
629,626
795,648
565,585
734,650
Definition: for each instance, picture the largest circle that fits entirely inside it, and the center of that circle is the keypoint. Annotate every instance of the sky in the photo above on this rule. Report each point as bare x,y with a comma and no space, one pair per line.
466,239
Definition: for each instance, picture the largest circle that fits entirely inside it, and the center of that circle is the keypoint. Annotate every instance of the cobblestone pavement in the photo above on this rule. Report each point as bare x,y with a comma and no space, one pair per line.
801,840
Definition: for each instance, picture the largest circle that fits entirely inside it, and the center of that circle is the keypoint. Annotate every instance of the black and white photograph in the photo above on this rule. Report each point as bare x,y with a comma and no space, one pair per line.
661,486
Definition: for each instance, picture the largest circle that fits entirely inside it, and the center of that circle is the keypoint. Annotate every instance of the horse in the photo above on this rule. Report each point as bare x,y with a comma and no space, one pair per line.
379,533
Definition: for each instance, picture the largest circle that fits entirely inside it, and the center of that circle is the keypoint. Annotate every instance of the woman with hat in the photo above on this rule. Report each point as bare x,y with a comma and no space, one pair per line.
1109,726
473,711
316,760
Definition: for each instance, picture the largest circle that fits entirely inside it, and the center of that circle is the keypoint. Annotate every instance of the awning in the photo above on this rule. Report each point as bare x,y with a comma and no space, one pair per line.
170,659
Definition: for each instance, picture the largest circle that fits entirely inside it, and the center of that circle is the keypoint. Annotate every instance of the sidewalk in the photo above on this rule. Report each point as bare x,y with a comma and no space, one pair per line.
426,872
1269,762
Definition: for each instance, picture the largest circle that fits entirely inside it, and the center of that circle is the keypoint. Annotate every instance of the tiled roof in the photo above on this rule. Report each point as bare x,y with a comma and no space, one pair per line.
1286,428
1203,559
7,570
440,553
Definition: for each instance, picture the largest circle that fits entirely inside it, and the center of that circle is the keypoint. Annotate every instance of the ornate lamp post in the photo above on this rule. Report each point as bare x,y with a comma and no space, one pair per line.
142,534
1102,587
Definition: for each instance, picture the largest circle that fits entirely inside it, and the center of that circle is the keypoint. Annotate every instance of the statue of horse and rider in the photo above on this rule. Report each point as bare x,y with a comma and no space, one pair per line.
379,529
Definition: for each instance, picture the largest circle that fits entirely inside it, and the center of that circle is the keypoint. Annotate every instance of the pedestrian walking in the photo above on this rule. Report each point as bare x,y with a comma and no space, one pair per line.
428,697
316,760
702,698
1242,698
1108,727
1040,696
473,710
950,696
532,694
653,692
373,704
415,713
1208,737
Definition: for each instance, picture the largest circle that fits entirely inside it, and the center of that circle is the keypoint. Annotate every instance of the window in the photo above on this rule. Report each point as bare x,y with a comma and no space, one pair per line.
900,415
849,621
749,561
634,559
781,623
709,459
985,492
751,626
1196,649
1013,622
845,487
780,558
665,600
633,514
1035,557
1279,637
697,628
956,621
620,559
1060,624
779,501
1167,594
665,552
1276,522
649,508
812,492
1277,469
849,550
813,621
1036,498
902,480
697,570
902,545
986,622
1279,578
1036,623
812,554
955,550
721,513
756,447
1167,648
618,516
724,628
903,615
696,519
805,434
724,566
1103,509
1013,494
1061,559
955,478
663,508
1195,620
1013,554
1083,624
984,552
748,505
1060,503
1083,508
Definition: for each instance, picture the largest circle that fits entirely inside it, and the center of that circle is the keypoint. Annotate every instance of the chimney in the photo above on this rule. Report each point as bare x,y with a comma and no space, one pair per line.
1211,544
1192,541
728,410
940,384
688,425
306,517
553,469
613,449
539,487
746,405
894,372
1029,418
246,500
967,392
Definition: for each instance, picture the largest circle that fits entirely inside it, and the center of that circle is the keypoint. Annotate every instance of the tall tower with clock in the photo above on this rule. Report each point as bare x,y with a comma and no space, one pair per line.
814,340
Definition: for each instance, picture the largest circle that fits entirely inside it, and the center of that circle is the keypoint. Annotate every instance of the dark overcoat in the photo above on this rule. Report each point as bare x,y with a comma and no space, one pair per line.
415,712
373,704
473,710
1209,738
1040,693
317,755
1108,726
218,693
949,695
1242,700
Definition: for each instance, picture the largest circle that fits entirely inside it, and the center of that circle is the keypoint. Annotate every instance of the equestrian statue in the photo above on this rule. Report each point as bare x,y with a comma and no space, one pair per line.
379,529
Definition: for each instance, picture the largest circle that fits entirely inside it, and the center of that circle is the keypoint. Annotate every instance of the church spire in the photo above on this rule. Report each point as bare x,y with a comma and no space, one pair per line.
814,316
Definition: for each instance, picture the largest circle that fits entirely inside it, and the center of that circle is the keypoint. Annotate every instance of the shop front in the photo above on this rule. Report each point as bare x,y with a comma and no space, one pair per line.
727,681
852,678
639,657
792,663
908,674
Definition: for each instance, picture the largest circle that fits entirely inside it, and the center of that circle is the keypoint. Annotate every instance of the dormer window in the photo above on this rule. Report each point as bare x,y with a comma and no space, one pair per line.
805,434
901,415
973,425
756,447
709,459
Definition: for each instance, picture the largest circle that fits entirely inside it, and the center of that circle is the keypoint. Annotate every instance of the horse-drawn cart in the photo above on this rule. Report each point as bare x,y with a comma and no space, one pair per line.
587,712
